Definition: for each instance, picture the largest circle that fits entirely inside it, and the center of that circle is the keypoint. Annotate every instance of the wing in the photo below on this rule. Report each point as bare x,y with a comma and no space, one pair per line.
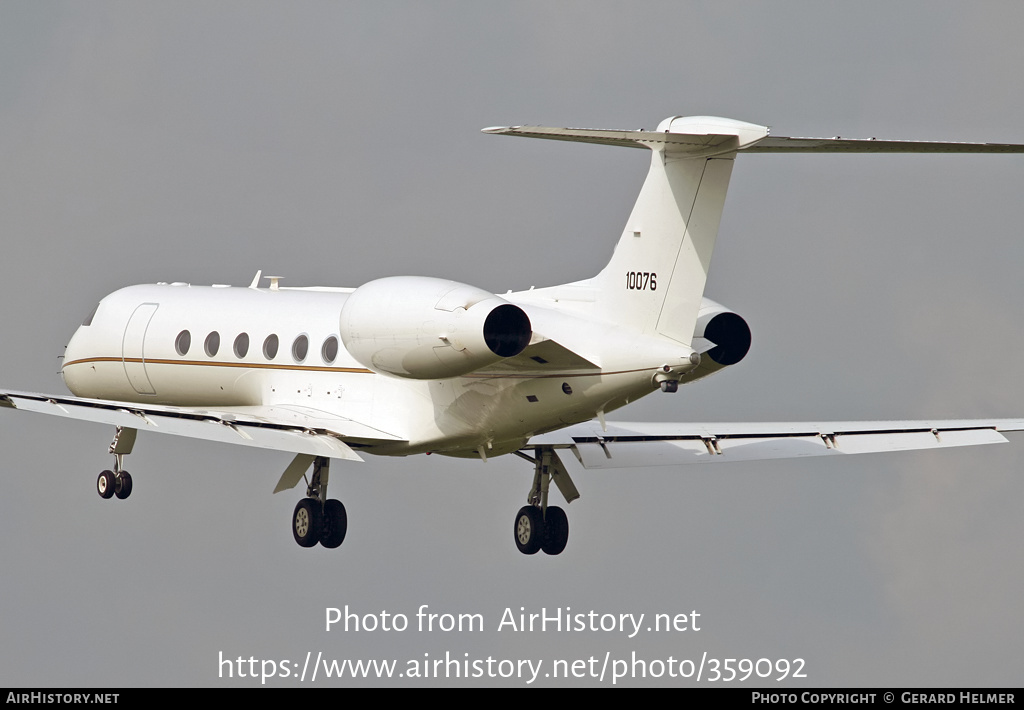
295,429
629,444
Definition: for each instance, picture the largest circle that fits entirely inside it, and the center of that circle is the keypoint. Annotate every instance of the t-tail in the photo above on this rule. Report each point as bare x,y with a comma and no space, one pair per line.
655,279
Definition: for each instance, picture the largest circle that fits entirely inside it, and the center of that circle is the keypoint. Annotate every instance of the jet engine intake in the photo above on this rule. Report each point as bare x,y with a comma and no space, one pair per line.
427,329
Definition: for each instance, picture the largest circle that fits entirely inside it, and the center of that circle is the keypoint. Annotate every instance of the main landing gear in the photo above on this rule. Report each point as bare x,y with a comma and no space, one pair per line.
318,518
118,482
539,526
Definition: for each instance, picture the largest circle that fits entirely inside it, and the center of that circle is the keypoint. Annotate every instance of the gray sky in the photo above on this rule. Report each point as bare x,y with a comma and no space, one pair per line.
334,143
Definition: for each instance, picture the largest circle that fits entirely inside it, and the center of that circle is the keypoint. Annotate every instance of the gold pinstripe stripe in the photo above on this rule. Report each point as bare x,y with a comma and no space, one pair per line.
216,363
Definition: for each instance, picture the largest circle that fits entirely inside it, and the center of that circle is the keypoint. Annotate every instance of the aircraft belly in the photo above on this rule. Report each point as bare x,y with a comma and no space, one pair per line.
501,413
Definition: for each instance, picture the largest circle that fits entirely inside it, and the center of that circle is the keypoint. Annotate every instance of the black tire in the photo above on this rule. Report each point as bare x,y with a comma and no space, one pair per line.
123,485
106,484
528,530
335,524
556,531
308,522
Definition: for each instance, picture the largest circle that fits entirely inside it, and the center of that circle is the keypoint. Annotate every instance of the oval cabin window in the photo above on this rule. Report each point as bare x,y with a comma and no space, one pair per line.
329,351
183,342
212,344
300,348
270,347
241,345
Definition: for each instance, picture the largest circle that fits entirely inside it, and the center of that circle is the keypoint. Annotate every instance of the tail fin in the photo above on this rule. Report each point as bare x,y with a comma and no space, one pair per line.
655,279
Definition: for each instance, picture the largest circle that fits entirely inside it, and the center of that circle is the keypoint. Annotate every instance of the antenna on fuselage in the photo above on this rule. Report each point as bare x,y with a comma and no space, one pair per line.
275,282
256,279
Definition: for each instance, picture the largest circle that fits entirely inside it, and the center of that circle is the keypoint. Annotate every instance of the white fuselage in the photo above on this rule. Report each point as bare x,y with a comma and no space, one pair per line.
133,350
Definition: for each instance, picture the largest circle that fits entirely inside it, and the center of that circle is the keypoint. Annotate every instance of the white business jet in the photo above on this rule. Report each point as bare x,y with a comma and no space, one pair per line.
416,365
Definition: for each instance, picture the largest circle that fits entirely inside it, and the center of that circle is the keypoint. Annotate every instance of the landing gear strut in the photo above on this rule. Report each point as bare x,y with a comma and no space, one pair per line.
316,517
118,482
539,526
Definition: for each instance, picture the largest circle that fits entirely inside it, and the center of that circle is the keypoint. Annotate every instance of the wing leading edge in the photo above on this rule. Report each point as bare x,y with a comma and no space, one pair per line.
637,444
297,430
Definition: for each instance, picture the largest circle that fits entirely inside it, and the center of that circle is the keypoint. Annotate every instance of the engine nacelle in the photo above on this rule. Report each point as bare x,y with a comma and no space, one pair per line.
721,336
430,329
727,331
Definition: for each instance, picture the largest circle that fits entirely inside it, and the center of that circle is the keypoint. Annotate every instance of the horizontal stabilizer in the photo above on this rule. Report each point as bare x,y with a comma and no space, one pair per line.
870,145
625,139
695,135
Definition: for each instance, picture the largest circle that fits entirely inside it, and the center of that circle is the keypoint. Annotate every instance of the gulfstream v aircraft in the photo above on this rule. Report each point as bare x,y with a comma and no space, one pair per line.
416,365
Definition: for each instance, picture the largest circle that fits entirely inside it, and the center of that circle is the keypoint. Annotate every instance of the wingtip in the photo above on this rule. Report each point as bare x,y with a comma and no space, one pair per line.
498,129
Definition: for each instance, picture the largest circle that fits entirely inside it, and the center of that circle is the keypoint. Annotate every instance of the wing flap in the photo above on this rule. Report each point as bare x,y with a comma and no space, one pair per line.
282,429
665,444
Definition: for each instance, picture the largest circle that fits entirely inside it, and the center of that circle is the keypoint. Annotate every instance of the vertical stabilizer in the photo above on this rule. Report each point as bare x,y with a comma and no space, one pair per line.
655,279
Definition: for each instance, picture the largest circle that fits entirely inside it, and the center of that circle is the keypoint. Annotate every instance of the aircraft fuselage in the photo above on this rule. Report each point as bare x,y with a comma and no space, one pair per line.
201,346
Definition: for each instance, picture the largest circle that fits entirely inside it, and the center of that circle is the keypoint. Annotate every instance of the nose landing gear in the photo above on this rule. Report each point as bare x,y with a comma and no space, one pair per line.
118,482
